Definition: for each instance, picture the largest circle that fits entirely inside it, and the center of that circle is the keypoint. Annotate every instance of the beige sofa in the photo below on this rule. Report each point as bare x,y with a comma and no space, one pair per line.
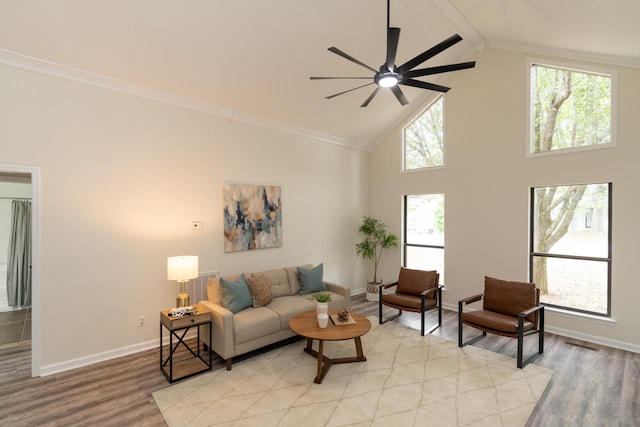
253,328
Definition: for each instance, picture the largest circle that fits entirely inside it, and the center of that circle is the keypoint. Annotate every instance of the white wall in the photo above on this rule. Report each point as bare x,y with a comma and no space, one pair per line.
121,180
486,182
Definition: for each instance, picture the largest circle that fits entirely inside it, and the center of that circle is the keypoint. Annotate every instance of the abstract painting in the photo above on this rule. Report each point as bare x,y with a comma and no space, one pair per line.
252,217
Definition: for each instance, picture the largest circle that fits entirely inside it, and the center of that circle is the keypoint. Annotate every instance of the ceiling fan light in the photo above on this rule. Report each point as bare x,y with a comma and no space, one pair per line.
388,81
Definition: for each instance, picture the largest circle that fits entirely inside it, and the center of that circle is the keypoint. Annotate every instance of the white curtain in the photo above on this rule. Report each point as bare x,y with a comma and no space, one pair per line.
19,255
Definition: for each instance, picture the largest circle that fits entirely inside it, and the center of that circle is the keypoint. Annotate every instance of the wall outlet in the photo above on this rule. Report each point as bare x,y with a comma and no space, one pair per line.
141,321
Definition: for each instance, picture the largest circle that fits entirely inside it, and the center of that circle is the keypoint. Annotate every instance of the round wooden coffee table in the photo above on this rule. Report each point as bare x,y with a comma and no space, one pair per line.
306,325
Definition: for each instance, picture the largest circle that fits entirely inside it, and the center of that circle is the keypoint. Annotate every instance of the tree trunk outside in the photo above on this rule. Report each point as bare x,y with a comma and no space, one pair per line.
540,275
551,230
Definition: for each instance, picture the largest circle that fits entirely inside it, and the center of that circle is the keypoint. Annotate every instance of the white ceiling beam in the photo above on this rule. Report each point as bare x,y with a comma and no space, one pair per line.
461,23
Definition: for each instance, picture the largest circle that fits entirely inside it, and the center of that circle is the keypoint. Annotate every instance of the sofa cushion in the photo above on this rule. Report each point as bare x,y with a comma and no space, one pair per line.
214,294
253,323
413,282
213,291
289,306
294,277
260,289
311,280
279,281
235,294
507,297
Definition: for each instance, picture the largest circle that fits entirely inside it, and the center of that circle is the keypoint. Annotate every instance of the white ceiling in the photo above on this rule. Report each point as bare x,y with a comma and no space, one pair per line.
252,59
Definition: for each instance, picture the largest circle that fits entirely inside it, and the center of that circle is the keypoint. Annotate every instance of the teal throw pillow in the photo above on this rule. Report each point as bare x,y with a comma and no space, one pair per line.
311,280
235,295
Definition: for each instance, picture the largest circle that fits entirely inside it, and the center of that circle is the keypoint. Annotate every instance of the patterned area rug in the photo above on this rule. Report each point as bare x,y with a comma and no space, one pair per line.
407,380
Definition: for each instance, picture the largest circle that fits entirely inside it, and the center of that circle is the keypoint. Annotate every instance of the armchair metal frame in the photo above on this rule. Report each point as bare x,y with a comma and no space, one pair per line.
519,335
422,309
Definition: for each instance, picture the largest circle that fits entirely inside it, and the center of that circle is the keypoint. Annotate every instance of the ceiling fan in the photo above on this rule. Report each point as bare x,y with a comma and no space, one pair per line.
390,75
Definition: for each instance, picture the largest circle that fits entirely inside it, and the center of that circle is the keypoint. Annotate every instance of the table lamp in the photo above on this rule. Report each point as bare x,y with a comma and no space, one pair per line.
182,269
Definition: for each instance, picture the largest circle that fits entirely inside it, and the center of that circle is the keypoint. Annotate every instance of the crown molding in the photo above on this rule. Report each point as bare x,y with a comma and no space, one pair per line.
77,75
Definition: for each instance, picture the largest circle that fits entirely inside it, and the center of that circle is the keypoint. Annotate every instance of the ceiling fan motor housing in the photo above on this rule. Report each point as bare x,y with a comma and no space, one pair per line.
386,77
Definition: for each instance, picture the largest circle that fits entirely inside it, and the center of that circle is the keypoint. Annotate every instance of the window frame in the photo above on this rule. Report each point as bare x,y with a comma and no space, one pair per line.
607,259
405,222
581,68
403,156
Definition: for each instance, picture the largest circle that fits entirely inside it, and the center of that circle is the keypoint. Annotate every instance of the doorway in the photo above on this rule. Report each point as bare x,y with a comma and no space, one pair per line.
14,189
21,182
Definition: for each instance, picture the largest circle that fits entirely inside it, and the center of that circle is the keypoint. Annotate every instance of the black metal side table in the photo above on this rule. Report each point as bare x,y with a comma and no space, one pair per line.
187,361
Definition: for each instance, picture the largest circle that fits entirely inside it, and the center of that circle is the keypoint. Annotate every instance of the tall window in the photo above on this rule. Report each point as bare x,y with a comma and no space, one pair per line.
423,139
570,246
424,232
570,109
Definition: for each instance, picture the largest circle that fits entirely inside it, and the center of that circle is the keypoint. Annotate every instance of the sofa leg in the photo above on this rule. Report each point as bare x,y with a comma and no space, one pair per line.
228,362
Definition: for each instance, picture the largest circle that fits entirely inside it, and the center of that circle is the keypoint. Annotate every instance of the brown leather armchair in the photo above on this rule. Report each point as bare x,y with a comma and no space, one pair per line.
510,309
417,291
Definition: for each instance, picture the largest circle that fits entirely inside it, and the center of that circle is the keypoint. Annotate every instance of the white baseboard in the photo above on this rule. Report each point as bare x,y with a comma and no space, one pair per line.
452,307
576,335
357,292
124,351
98,357
593,339
108,355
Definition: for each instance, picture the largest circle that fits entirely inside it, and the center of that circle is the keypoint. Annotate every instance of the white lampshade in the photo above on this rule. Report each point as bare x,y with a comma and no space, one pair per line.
182,268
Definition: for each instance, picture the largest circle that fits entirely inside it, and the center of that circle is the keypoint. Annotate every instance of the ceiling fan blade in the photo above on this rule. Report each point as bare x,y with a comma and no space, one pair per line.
393,35
350,58
338,78
441,69
424,85
368,100
429,53
399,95
346,91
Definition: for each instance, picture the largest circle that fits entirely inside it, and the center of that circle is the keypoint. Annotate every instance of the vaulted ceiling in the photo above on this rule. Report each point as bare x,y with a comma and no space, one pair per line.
252,59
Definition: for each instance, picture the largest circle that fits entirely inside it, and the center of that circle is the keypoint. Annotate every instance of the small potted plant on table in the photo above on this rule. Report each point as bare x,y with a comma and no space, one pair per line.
322,307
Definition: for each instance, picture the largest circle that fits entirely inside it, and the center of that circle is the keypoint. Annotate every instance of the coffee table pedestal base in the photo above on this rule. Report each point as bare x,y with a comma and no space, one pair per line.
324,362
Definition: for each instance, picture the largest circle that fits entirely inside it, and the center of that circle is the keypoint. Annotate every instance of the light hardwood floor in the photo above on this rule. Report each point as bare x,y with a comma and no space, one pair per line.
591,386
15,326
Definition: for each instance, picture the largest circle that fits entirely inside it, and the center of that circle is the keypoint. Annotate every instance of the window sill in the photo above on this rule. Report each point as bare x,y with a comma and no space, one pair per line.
583,316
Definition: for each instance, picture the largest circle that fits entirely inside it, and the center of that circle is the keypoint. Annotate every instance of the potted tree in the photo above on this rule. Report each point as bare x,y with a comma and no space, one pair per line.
376,239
